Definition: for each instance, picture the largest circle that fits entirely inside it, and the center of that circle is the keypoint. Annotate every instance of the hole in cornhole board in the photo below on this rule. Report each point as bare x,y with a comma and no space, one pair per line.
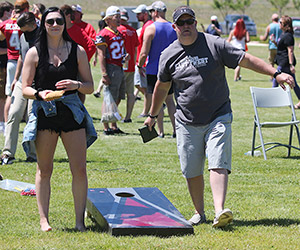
124,194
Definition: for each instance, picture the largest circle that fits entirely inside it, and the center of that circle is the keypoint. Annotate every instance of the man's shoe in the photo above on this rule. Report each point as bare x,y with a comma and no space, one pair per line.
118,131
142,116
223,218
30,159
127,120
5,159
97,94
1,178
197,219
108,132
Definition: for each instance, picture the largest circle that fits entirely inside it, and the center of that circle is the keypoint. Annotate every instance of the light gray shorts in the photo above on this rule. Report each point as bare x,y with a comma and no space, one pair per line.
139,79
10,75
195,143
117,86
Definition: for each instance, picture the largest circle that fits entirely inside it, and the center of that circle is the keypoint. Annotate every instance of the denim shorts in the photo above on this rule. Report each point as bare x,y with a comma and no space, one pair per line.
195,143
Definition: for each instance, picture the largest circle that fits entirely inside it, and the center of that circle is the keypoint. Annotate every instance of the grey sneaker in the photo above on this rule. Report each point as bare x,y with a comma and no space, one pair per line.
197,219
223,218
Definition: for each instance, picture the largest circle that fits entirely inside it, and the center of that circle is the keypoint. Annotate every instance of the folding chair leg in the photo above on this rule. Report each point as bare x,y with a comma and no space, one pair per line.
262,142
290,141
298,134
253,139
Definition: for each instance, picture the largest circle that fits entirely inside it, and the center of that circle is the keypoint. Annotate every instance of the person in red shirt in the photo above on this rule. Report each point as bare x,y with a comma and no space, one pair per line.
140,81
131,43
77,34
6,9
10,31
87,27
110,46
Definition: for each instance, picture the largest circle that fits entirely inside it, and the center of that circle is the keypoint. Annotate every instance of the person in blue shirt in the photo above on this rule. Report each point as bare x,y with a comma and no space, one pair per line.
214,28
272,33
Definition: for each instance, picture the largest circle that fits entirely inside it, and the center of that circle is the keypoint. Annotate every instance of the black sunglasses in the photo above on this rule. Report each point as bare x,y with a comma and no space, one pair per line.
58,21
187,21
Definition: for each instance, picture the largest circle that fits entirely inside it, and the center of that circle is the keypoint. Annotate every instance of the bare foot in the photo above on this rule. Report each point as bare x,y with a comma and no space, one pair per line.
45,227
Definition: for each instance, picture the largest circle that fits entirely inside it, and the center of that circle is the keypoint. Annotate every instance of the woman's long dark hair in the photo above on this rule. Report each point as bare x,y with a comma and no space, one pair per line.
42,44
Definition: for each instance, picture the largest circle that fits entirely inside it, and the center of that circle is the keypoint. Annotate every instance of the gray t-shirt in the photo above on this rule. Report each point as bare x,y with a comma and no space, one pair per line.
197,73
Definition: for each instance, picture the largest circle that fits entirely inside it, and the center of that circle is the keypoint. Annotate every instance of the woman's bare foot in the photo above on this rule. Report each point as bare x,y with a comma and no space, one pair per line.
45,227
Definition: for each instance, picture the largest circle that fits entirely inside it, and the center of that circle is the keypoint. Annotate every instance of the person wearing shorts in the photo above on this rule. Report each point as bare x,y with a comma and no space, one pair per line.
10,31
110,46
158,36
131,43
195,66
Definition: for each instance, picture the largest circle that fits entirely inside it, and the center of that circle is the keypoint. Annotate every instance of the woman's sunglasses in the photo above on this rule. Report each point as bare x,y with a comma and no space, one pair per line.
58,21
187,21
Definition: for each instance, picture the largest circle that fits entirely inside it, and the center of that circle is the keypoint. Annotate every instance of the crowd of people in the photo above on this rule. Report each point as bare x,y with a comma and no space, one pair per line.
45,70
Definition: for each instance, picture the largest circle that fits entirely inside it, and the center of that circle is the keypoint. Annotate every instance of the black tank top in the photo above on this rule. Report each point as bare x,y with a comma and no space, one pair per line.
66,70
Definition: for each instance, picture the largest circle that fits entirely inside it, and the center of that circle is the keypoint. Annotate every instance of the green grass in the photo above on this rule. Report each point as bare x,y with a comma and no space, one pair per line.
263,195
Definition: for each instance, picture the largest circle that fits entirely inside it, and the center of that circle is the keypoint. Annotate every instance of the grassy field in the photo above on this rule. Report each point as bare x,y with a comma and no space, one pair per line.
263,195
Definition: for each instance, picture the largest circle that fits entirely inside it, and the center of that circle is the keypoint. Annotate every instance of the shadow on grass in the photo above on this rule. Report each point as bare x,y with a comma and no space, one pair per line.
266,222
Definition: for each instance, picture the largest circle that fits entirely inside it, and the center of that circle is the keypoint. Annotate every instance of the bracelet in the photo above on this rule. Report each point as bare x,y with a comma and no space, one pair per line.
37,96
78,84
139,66
153,116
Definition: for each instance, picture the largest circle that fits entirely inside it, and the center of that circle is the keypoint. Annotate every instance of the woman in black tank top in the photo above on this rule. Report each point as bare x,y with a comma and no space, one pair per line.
54,65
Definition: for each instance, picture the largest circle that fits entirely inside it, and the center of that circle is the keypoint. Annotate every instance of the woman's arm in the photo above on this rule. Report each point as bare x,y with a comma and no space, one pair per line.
28,73
291,58
86,85
230,36
247,37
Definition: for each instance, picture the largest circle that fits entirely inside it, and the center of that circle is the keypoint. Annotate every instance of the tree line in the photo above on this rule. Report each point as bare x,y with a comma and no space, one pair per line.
225,6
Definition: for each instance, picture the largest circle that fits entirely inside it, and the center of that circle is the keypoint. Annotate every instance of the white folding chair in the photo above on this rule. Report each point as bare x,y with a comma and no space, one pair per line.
273,98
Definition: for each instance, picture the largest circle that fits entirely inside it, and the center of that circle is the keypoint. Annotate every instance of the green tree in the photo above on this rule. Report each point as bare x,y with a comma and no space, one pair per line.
223,6
279,5
241,5
296,4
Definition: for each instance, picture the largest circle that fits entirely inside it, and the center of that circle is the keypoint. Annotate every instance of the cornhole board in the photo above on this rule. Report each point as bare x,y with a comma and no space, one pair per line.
135,211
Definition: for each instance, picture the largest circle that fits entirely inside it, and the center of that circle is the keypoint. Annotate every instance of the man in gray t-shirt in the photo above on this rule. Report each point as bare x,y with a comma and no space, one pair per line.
195,64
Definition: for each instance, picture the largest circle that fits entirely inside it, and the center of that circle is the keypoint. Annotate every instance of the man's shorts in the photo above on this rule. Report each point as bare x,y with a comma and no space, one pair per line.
195,143
151,81
139,80
117,79
129,84
10,75
272,55
2,82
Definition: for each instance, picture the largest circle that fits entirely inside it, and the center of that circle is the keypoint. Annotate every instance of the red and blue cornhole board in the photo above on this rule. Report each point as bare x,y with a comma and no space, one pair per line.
135,211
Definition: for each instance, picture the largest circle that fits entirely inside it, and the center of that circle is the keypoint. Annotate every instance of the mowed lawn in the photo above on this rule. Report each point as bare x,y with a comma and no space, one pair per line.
263,195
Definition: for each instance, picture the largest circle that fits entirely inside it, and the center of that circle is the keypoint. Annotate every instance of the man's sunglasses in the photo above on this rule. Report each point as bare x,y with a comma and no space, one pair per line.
187,21
58,21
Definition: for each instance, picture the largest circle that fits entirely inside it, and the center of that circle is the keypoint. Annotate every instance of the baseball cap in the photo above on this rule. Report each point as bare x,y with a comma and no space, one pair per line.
141,8
21,4
77,7
124,14
212,18
157,5
111,11
178,12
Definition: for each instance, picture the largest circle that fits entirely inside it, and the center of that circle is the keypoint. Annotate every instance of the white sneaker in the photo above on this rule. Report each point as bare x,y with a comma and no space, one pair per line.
223,218
197,219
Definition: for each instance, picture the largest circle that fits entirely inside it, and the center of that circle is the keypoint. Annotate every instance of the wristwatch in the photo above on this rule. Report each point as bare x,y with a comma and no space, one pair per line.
37,96
278,72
